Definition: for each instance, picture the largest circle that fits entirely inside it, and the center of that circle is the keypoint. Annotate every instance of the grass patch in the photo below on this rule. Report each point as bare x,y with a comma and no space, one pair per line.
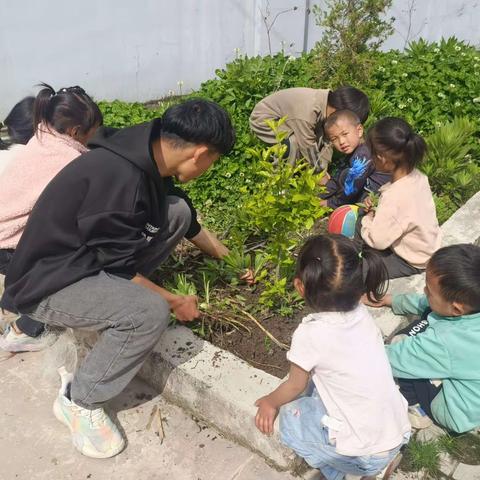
422,457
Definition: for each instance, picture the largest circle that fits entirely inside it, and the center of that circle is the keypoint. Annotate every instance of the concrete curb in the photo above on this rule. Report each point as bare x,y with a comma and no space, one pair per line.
221,389
217,387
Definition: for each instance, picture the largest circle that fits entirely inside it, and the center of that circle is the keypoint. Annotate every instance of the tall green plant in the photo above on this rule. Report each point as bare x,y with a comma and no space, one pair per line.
449,164
353,29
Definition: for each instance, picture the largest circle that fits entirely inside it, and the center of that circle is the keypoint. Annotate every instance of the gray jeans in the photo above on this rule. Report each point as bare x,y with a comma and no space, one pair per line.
129,317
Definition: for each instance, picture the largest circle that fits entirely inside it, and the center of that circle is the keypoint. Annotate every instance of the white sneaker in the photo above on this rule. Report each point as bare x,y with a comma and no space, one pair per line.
418,418
93,432
11,341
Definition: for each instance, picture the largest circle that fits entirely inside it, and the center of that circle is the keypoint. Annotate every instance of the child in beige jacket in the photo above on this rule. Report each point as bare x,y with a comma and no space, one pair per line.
404,225
306,109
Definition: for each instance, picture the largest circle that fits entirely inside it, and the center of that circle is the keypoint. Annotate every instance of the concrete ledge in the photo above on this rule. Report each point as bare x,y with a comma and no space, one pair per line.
217,387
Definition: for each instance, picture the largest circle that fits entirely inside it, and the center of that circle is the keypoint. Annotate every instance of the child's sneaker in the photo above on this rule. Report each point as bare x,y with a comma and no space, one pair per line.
418,418
12,341
93,432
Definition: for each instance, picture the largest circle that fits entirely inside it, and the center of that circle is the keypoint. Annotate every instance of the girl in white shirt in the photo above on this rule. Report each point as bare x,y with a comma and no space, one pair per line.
352,420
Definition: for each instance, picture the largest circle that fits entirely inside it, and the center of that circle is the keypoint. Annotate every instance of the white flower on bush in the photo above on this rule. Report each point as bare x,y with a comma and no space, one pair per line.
438,124
441,94
436,50
457,103
394,62
409,100
458,48
463,54
228,174
381,69
476,100
404,75
291,58
452,85
401,106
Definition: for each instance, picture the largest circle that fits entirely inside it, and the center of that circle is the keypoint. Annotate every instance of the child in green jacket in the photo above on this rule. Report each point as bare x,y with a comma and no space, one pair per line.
438,369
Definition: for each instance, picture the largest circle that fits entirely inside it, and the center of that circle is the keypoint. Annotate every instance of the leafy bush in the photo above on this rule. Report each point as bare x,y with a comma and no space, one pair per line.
429,83
353,30
237,88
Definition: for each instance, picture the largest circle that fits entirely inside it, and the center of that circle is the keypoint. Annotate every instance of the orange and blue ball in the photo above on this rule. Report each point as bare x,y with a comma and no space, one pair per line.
343,220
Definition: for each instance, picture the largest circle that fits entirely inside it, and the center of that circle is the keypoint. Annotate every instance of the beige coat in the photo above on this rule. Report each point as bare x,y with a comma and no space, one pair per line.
305,109
405,220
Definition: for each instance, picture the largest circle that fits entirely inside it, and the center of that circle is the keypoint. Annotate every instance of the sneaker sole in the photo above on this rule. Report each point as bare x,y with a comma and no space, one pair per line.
88,450
28,347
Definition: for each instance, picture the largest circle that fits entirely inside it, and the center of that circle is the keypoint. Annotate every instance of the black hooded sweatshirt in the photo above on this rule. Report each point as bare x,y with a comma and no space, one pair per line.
96,214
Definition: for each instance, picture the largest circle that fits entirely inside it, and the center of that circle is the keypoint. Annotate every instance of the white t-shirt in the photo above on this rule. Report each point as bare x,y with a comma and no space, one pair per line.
345,353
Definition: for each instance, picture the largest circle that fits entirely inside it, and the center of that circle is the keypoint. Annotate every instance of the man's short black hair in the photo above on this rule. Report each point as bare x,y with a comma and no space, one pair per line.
200,122
350,98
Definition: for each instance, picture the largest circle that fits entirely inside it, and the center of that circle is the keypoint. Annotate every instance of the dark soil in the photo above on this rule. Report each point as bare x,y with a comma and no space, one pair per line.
257,349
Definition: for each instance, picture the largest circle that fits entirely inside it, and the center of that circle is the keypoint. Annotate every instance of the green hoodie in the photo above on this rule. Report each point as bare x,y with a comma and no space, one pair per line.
449,350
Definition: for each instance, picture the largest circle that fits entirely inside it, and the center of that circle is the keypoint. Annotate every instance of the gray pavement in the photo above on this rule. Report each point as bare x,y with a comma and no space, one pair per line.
34,445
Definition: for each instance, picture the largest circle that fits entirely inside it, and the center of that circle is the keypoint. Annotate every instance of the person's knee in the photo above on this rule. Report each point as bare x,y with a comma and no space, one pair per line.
179,214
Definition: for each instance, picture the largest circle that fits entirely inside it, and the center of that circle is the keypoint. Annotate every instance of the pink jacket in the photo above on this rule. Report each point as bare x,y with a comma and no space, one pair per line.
24,179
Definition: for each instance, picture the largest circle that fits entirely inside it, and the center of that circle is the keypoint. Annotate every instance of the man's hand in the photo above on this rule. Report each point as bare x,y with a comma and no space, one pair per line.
266,415
185,307
248,276
386,301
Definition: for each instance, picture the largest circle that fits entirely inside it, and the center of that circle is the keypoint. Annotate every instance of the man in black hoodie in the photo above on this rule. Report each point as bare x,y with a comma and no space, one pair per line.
99,228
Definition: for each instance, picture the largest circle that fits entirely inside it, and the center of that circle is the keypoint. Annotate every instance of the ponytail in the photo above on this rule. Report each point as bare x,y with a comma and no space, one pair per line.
42,104
66,109
395,138
416,148
376,279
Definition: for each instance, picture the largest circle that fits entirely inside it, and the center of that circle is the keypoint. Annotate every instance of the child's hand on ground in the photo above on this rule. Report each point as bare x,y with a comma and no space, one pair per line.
248,276
386,301
266,415
185,308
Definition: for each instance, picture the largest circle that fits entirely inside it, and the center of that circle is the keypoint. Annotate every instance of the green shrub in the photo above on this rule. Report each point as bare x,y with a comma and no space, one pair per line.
430,83
353,30
449,164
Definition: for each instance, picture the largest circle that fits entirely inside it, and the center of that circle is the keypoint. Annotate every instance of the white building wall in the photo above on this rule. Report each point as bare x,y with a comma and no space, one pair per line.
139,50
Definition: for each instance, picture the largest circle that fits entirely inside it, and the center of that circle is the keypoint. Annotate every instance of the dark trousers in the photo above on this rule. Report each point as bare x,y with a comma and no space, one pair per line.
24,323
396,266
420,391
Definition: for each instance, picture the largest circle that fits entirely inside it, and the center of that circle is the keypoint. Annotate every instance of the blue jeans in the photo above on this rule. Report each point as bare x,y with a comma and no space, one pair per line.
301,430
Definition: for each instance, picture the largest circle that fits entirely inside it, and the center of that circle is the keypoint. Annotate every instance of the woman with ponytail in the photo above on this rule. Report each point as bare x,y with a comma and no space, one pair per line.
63,121
404,226
351,419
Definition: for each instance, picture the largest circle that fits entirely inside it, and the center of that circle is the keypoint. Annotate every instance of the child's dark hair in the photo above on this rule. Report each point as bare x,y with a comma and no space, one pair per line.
347,115
395,138
331,270
19,123
350,98
66,109
198,121
457,268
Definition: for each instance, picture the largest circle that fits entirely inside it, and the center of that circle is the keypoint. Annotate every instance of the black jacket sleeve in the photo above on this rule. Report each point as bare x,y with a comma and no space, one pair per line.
176,191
